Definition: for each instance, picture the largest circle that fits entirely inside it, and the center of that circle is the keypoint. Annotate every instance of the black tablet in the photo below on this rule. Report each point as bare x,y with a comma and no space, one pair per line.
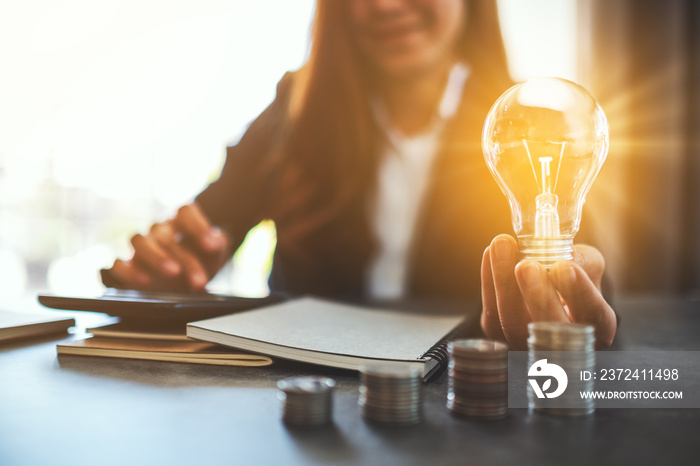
158,305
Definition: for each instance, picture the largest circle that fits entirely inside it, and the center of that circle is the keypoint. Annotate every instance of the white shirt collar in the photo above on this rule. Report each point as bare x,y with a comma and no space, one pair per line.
449,104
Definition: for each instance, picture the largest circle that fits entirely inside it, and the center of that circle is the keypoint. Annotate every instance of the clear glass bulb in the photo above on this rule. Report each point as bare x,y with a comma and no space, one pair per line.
545,141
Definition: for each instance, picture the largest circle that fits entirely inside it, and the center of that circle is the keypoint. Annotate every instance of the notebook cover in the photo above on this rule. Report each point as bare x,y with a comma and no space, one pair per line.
329,333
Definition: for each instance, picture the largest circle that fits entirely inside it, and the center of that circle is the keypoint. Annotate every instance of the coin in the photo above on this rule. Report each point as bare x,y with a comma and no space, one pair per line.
391,394
570,346
306,401
478,374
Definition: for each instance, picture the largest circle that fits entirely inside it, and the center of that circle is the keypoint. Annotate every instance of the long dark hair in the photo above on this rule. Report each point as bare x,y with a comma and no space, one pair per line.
329,156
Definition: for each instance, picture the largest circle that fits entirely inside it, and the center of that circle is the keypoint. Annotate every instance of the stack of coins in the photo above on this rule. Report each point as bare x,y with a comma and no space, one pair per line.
478,379
306,401
391,394
571,347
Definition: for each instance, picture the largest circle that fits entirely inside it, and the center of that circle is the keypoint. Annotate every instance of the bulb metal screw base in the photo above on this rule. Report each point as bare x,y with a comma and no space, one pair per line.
547,251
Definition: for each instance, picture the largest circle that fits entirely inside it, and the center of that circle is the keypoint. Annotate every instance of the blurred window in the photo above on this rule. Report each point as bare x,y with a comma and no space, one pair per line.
114,113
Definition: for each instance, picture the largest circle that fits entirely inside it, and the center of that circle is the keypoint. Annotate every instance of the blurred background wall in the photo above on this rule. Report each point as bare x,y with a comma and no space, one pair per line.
114,113
641,58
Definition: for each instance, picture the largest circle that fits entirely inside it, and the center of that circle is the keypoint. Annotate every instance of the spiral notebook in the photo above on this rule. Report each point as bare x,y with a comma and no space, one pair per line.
338,335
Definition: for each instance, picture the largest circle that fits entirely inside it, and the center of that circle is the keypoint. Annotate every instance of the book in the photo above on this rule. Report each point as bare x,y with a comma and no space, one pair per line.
333,334
161,350
160,329
16,325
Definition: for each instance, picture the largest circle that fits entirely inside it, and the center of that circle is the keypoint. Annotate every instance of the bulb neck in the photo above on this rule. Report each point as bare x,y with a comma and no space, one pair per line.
547,251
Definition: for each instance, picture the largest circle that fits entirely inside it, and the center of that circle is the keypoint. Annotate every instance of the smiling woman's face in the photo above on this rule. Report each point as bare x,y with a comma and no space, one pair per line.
400,38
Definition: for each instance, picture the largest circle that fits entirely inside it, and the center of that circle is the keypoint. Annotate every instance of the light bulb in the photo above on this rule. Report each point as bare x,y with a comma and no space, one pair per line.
545,141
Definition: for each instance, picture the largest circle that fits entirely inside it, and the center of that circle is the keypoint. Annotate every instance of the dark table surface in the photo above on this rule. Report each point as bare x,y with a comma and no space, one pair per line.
77,410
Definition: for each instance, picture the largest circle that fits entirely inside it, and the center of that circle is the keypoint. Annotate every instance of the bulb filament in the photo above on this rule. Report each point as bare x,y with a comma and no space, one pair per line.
546,215
546,173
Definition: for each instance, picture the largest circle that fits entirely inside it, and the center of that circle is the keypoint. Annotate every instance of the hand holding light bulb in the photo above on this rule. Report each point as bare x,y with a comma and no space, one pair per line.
544,141
516,292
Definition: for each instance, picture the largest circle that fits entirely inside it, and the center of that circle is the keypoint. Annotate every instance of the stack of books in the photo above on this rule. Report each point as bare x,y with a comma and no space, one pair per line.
156,340
230,330
152,326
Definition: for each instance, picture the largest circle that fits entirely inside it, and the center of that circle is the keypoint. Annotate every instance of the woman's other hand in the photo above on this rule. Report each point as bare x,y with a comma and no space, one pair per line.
180,254
515,293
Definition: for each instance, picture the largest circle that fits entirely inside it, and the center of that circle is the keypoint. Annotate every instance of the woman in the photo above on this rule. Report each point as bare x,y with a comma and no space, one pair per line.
369,163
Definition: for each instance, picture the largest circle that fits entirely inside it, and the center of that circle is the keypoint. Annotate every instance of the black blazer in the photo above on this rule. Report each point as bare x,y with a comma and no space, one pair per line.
463,210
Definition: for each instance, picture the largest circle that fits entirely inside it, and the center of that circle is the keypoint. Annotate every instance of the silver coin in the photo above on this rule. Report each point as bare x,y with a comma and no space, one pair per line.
570,346
478,378
563,342
289,407
391,371
297,398
398,408
478,348
391,394
472,369
391,385
307,408
306,401
398,412
391,382
559,327
303,385
560,347
478,413
389,390
384,400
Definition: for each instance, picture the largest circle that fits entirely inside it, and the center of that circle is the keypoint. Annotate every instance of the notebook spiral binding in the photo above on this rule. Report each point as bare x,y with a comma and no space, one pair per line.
439,349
